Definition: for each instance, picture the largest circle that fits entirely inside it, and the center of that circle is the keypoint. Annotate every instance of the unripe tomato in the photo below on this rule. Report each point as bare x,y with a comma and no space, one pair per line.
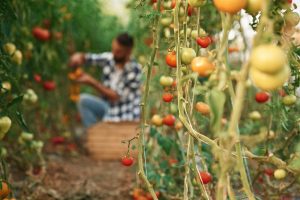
26,136
171,59
269,82
202,66
254,6
30,96
156,120
269,171
5,190
196,3
279,174
289,100
291,18
9,48
262,97
17,57
167,97
5,124
268,58
203,108
230,6
205,177
127,161
166,21
187,55
204,42
282,93
169,120
41,33
255,115
49,85
166,81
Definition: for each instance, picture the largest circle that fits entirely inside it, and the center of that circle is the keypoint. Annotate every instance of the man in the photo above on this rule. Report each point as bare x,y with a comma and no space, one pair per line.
120,90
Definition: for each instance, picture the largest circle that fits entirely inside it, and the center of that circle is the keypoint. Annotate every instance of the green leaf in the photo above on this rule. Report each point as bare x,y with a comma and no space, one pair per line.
216,100
15,101
165,143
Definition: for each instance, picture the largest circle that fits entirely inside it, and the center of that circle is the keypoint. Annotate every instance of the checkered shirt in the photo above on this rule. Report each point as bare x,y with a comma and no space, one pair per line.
127,108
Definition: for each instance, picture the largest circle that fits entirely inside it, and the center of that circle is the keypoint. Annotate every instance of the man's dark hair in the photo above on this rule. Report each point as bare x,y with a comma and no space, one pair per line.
125,40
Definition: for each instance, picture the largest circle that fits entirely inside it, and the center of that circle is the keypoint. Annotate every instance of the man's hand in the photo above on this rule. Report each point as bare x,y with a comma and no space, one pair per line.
76,59
86,79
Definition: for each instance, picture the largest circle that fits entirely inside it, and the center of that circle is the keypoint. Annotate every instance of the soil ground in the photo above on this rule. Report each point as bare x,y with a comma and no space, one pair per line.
79,178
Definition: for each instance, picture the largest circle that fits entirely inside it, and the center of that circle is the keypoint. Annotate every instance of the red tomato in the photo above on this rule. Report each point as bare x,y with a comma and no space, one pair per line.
282,93
37,78
171,59
127,161
269,171
290,1
204,42
205,177
174,83
173,161
167,97
149,197
169,120
173,4
41,34
190,10
262,97
57,140
49,85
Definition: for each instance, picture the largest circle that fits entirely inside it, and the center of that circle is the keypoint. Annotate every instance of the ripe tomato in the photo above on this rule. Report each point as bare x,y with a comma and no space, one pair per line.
149,197
203,108
279,174
5,190
269,171
205,177
49,85
202,66
57,140
230,6
190,10
268,58
289,100
187,55
169,120
37,78
167,97
127,161
262,97
173,4
171,59
5,124
269,82
156,120
178,126
41,33
173,161
204,42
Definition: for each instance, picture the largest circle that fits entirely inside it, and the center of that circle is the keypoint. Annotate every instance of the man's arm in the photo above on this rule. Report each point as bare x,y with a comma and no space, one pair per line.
105,91
79,59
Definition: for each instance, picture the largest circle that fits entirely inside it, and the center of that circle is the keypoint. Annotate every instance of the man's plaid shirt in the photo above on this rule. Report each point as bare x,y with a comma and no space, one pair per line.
128,87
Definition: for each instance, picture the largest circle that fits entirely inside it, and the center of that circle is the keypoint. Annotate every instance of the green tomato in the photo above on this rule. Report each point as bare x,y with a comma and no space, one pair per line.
289,100
254,6
279,174
166,81
166,21
5,124
187,55
173,108
26,136
196,3
9,48
17,57
291,18
255,115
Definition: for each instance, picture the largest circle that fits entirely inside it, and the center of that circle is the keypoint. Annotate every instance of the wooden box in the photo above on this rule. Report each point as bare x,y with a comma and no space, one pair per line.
104,140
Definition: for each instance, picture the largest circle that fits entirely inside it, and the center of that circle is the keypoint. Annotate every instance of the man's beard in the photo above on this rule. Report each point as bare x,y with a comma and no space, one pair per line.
120,60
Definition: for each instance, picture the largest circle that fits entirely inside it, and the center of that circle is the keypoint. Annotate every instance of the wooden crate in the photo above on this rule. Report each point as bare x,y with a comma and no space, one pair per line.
104,140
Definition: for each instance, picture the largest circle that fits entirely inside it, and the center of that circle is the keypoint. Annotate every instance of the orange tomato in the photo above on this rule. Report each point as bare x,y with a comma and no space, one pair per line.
171,59
230,6
203,108
5,190
202,66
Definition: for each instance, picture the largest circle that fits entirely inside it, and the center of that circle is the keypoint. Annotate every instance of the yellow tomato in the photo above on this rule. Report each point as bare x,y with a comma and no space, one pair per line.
279,174
268,58
157,120
230,6
268,82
